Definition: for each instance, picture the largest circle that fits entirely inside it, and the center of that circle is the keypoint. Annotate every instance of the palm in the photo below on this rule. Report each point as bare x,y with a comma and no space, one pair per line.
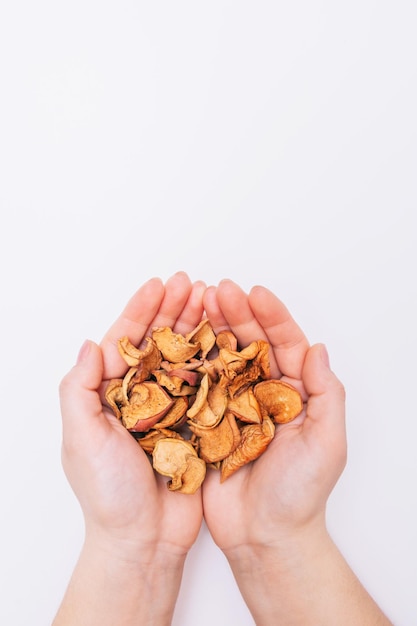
277,480
127,495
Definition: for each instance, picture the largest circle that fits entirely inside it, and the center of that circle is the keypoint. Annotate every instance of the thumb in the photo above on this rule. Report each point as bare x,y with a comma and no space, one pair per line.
326,404
78,390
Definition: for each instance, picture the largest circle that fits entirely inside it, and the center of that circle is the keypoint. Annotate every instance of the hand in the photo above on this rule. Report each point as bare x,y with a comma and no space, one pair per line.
121,497
138,533
269,516
288,486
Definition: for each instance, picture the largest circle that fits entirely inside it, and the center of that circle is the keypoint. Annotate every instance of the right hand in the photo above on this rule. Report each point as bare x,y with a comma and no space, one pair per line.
123,501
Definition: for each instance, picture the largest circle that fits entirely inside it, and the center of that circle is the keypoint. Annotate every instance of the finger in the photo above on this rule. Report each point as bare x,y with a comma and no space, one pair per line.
213,311
232,308
80,402
193,310
326,404
234,305
177,292
288,341
133,323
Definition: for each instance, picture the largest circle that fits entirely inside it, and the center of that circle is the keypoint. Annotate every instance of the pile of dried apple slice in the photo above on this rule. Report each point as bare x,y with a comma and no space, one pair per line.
198,400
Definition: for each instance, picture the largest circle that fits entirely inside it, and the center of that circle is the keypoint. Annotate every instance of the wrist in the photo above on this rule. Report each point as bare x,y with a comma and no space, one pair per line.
302,579
118,582
270,574
282,551
134,554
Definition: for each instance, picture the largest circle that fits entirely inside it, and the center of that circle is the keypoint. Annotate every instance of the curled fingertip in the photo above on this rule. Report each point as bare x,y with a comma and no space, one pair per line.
324,355
227,287
154,279
259,289
226,281
89,355
180,275
152,284
84,352
200,285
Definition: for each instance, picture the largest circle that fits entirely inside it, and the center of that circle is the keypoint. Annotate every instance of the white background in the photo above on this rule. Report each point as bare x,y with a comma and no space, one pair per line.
267,142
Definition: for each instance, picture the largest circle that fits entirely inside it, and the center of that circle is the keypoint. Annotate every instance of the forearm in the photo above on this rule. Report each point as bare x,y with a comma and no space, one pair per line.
109,588
303,582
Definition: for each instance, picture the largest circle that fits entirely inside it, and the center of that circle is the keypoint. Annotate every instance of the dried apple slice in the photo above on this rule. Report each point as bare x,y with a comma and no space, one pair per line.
211,411
148,442
215,444
204,335
194,475
169,457
231,362
128,381
226,339
244,367
148,403
246,407
114,396
256,367
146,360
176,415
174,347
172,384
191,377
177,459
278,399
200,398
255,439
130,353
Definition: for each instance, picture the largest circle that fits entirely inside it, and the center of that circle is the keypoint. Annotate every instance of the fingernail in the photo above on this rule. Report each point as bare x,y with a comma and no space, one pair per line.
84,350
325,355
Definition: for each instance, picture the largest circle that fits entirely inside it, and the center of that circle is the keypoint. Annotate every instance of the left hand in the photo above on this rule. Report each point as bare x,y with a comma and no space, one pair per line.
286,488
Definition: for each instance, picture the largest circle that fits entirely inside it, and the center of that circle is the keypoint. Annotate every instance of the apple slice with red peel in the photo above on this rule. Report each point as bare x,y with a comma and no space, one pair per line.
148,403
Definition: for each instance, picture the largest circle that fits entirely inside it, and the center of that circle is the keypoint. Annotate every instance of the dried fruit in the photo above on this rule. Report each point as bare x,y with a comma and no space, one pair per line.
279,400
246,407
177,459
204,335
211,404
189,410
148,442
217,443
254,441
147,403
174,347
148,359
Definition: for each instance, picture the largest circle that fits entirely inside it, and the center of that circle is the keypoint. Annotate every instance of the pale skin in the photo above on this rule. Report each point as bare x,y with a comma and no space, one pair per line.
268,518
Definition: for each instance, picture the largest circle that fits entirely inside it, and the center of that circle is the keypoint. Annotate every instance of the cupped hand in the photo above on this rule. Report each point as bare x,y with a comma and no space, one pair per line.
288,485
122,498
